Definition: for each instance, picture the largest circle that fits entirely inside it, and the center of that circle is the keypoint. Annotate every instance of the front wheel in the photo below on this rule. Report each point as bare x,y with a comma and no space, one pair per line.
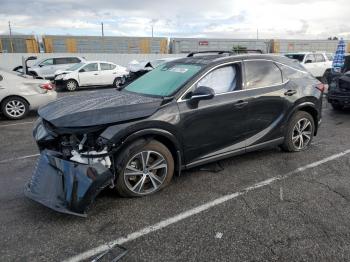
300,132
145,168
71,85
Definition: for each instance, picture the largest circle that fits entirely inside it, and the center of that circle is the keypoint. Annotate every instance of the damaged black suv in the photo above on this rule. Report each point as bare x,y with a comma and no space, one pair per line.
184,113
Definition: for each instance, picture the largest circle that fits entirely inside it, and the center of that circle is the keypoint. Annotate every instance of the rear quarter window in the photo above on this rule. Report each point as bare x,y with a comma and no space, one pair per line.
261,73
292,73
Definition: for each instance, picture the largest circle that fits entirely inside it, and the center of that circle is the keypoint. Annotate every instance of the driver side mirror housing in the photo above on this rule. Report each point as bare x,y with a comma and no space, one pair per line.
202,93
82,70
1,78
308,61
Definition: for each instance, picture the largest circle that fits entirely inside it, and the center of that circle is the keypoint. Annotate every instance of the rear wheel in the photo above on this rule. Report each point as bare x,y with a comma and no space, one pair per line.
145,168
15,108
71,85
300,132
119,81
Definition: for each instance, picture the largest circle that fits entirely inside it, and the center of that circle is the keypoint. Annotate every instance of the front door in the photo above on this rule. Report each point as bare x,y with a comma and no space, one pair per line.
89,75
217,126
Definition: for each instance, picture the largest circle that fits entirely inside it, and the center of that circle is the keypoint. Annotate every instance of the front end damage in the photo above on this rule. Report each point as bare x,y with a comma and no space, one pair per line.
70,172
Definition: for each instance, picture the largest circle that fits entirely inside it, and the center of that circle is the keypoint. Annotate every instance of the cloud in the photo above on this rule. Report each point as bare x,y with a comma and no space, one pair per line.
182,18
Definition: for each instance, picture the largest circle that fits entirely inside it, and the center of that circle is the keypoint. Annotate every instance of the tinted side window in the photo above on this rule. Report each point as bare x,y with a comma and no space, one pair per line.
291,73
47,62
310,59
222,80
73,60
262,74
90,67
320,58
106,66
61,61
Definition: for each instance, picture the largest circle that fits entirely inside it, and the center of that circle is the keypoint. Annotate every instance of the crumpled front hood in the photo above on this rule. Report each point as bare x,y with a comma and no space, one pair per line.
98,108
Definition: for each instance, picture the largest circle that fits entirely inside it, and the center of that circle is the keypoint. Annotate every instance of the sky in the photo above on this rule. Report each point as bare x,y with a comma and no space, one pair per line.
284,19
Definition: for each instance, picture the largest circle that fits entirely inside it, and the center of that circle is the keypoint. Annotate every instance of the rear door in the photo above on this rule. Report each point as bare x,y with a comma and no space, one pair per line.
268,105
217,126
108,73
89,75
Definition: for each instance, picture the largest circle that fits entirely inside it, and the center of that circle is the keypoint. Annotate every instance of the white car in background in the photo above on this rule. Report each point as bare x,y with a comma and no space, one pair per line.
92,73
20,94
317,63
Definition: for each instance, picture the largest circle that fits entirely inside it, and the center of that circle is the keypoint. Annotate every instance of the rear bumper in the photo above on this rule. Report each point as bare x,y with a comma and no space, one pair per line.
65,186
339,99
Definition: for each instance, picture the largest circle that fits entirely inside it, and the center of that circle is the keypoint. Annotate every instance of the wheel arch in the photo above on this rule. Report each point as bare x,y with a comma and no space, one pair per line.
9,96
162,136
310,108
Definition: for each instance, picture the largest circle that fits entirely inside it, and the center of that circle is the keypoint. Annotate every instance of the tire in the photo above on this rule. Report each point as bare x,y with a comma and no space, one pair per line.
294,134
71,85
337,107
14,108
118,82
141,180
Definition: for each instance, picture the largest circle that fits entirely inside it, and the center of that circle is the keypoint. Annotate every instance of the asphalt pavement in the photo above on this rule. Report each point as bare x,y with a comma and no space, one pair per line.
262,206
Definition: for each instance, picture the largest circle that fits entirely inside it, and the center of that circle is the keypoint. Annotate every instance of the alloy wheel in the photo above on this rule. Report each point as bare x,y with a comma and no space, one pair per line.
145,172
302,133
15,108
71,85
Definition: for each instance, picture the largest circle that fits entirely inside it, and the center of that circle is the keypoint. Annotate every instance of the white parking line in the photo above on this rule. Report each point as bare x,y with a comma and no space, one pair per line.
17,158
197,210
18,124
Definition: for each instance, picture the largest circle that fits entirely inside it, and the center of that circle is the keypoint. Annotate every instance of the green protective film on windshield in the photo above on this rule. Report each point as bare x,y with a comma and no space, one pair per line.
163,80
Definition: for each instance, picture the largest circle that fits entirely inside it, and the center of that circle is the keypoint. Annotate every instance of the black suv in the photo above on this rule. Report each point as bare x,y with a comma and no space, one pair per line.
339,87
185,113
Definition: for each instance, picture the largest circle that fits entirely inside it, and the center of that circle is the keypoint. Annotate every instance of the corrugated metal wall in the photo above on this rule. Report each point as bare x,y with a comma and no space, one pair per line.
285,46
18,44
186,45
97,44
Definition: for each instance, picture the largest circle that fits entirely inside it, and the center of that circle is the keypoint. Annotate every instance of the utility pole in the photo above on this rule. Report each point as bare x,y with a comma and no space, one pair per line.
10,30
257,34
152,30
103,33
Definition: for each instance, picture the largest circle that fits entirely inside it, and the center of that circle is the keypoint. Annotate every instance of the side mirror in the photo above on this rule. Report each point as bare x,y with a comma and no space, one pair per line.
41,65
308,61
202,93
1,78
82,70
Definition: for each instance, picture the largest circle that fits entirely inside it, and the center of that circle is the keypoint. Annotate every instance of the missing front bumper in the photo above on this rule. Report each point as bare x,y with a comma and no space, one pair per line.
66,186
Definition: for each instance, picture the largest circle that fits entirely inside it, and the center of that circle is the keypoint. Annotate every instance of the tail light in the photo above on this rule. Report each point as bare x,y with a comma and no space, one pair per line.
47,86
321,87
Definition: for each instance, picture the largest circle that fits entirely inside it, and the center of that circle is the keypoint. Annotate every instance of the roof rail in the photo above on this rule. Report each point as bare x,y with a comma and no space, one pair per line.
206,52
236,51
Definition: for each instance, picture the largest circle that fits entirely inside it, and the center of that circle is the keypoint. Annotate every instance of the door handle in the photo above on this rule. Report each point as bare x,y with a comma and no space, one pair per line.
114,73
96,74
290,92
240,104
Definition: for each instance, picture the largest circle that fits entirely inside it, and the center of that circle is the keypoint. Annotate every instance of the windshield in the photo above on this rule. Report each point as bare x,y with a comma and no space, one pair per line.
163,80
299,57
76,66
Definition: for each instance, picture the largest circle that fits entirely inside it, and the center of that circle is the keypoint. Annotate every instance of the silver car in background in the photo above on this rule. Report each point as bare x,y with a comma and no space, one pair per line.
45,68
20,94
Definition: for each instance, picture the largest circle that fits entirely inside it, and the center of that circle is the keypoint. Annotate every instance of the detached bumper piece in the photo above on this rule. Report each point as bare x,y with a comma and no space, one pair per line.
66,186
